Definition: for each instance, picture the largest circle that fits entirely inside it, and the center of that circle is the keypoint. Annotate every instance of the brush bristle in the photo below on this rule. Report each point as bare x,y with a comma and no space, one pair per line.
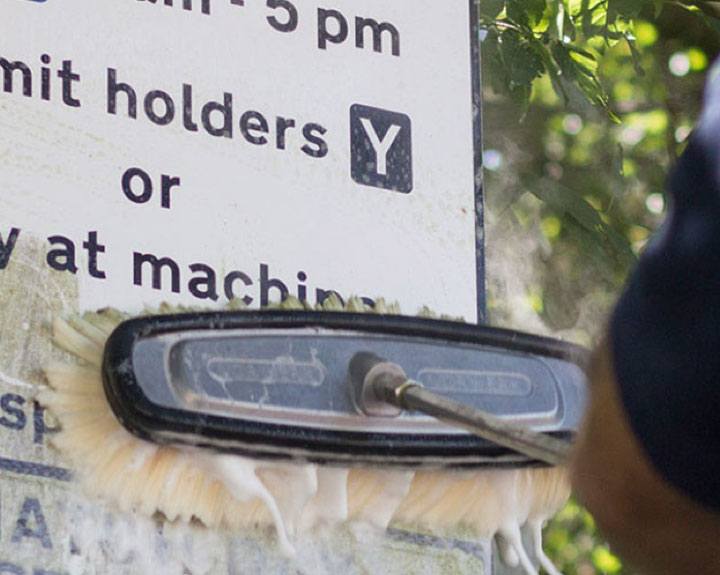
229,492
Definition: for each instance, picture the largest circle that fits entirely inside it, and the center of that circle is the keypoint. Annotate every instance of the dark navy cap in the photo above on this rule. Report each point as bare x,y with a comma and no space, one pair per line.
665,331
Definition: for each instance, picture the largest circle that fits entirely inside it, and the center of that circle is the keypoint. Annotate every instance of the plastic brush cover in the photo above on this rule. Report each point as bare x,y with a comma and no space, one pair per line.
275,384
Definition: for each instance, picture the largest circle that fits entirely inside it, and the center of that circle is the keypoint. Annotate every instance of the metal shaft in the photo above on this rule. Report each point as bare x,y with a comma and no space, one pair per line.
412,396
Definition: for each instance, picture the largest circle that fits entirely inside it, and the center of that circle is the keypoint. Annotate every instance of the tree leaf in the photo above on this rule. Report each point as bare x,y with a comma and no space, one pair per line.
579,69
523,64
491,9
567,201
627,9
536,10
526,12
518,13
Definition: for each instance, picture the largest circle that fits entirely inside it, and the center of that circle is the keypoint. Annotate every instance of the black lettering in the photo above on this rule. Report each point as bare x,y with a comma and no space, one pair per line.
205,286
31,507
226,112
45,77
62,259
9,68
282,126
324,35
291,23
267,283
146,181
168,114
252,121
94,248
7,248
68,77
188,121
113,88
188,5
156,265
230,279
377,28
316,146
168,184
11,405
302,289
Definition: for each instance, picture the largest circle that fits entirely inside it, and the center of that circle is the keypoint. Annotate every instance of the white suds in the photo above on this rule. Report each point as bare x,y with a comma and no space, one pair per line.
239,476
330,505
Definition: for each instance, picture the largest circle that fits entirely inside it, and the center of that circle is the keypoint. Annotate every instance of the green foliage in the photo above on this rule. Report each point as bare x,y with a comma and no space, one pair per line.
574,544
588,103
565,40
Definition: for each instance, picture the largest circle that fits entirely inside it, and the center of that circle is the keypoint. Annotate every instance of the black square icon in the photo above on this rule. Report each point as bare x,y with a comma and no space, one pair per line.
381,148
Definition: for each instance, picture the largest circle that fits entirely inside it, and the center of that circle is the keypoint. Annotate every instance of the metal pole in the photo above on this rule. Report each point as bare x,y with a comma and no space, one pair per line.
410,395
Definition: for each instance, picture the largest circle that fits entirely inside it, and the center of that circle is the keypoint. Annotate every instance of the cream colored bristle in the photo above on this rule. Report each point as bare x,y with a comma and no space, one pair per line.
183,496
230,492
356,305
72,341
332,303
364,487
66,403
426,312
437,499
89,330
106,320
236,304
293,486
549,492
374,495
67,378
165,308
290,303
112,474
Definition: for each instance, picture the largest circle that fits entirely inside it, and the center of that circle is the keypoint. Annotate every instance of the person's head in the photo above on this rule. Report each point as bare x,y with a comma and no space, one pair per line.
651,523
648,461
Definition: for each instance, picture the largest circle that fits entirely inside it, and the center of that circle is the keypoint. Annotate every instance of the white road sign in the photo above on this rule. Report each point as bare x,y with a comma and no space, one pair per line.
193,151
198,150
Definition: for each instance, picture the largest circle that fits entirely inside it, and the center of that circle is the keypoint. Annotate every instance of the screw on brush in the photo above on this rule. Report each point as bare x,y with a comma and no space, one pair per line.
382,389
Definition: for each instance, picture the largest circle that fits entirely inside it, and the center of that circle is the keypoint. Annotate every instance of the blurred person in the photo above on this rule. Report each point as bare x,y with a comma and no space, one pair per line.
647,460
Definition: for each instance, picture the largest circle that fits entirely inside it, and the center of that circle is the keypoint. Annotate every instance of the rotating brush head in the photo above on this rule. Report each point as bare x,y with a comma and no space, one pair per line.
238,468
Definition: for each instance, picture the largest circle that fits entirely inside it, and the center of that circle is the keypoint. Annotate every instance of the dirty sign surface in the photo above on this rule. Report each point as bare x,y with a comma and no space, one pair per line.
199,150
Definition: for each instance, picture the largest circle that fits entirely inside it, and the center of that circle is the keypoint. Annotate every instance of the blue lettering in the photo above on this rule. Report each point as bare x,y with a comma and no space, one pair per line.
10,569
39,425
14,418
31,506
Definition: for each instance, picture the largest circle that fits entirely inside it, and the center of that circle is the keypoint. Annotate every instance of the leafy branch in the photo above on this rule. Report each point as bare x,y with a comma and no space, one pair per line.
565,40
